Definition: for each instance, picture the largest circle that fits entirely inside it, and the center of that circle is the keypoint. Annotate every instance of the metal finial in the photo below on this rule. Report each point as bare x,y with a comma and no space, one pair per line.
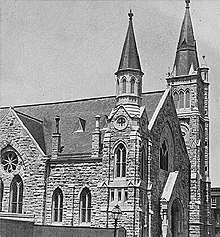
187,3
130,14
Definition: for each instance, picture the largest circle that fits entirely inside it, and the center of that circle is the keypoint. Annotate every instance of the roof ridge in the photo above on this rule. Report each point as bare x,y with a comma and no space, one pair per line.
70,101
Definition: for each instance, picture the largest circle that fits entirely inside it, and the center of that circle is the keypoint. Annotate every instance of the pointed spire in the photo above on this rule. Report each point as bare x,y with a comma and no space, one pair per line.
186,55
129,56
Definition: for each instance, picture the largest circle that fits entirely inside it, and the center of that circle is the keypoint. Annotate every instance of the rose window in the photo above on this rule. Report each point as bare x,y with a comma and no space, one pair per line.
9,161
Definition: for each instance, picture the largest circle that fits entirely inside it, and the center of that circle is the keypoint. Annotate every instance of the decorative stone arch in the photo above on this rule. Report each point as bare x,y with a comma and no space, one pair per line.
81,189
177,218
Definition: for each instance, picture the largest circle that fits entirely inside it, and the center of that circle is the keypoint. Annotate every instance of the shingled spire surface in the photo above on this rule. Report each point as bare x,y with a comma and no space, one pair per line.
186,56
129,56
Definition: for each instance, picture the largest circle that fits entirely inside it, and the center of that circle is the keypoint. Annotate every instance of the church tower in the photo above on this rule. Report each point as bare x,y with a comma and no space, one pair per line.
125,145
190,90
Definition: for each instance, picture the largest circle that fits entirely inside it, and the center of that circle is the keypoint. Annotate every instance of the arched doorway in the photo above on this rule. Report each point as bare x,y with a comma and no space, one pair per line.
177,218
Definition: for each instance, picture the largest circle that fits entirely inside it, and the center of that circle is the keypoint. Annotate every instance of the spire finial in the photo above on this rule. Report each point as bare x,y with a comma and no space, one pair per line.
187,3
130,14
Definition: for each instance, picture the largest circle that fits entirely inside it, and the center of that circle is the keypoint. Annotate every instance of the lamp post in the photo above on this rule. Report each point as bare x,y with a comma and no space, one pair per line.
116,211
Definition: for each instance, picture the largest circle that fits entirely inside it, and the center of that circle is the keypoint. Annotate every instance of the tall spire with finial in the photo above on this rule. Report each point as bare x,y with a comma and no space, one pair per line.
129,56
186,59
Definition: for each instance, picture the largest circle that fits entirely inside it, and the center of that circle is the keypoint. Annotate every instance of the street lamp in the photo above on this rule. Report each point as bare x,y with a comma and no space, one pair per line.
116,211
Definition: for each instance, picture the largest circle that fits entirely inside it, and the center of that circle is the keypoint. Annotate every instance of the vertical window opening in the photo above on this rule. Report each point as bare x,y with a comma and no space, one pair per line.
16,195
112,194
57,206
132,85
85,206
164,156
176,99
119,194
187,102
126,194
124,85
120,157
181,102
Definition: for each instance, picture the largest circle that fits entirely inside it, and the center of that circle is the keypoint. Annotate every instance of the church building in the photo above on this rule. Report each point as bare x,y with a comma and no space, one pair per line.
69,163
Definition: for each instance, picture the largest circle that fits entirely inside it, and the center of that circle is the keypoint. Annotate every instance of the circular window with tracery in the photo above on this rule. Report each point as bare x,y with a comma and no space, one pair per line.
9,161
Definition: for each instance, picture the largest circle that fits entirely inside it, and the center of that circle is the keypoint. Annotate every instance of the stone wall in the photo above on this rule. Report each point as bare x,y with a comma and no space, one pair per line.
167,116
31,168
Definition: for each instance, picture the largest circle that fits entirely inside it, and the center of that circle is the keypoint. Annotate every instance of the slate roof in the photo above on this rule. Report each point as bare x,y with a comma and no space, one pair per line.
39,119
186,54
129,56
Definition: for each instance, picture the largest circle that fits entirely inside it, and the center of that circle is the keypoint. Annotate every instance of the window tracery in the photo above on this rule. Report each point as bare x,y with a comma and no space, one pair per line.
16,195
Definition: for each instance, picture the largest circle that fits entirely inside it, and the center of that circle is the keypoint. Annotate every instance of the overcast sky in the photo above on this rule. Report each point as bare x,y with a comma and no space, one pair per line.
64,50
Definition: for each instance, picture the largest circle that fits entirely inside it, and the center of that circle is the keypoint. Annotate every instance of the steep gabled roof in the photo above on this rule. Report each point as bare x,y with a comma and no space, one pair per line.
73,140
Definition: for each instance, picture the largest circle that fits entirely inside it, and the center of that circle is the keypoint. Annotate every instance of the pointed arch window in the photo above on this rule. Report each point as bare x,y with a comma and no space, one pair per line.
181,100
164,156
176,99
57,206
132,85
16,195
120,161
1,193
124,85
187,101
85,206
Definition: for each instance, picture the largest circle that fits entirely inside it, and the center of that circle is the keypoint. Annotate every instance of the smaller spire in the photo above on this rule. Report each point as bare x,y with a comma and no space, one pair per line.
187,3
129,57
130,14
